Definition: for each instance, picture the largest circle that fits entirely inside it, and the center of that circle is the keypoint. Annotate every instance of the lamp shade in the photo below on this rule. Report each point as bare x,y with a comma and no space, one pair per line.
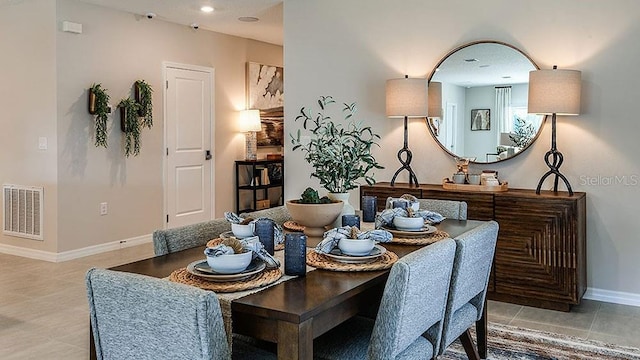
554,91
406,97
250,120
435,99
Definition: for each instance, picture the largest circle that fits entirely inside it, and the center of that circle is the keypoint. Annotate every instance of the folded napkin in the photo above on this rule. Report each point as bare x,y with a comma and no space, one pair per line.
278,237
333,236
385,218
250,244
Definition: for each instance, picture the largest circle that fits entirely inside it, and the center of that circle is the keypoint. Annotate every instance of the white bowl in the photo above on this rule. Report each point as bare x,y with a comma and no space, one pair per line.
356,247
242,231
230,264
408,223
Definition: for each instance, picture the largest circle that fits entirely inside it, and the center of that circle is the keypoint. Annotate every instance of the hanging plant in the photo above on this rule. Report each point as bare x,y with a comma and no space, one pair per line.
99,106
130,126
143,92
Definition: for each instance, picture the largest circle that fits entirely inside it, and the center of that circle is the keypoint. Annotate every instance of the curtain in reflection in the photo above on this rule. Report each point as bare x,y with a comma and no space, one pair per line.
503,103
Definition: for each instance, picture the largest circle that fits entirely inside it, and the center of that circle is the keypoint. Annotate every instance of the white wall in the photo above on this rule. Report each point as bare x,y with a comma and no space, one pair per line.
478,143
28,103
46,74
350,48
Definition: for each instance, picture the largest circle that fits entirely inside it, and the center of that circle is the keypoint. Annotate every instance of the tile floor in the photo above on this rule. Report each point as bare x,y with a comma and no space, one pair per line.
43,310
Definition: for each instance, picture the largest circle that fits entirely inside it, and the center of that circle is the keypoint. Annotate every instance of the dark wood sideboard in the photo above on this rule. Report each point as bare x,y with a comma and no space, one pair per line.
541,252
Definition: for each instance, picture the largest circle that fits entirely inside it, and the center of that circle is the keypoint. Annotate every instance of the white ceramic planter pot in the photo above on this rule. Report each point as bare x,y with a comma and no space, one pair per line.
347,209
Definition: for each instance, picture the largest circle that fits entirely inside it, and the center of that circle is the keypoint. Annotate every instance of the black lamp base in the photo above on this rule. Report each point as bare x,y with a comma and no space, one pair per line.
554,159
406,161
405,166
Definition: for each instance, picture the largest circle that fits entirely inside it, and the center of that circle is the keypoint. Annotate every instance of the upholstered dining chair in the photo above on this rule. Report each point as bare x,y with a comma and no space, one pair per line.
185,237
413,304
469,280
450,209
139,317
279,214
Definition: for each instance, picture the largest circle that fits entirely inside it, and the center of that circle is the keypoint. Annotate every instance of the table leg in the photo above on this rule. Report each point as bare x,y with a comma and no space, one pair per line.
295,341
481,332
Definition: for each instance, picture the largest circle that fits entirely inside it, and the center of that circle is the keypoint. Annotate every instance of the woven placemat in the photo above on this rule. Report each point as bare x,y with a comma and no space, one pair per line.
293,226
322,262
425,240
255,281
214,242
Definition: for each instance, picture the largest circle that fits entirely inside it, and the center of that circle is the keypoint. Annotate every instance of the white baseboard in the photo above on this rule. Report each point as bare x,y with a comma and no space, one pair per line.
77,253
616,297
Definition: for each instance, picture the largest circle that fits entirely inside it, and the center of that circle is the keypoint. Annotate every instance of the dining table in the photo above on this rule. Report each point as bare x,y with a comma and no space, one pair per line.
294,312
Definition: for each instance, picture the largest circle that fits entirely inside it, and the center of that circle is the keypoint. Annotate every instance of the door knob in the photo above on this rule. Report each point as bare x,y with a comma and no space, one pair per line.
207,155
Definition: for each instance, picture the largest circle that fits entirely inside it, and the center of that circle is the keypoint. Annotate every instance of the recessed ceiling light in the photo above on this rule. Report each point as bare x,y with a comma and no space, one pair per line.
248,18
206,9
471,60
506,77
484,66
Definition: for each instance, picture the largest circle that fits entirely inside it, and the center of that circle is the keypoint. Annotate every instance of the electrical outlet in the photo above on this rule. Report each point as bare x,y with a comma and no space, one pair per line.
104,208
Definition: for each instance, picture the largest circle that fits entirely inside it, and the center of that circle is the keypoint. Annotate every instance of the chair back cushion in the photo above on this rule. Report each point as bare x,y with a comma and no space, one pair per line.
413,301
469,280
448,208
139,317
279,214
189,236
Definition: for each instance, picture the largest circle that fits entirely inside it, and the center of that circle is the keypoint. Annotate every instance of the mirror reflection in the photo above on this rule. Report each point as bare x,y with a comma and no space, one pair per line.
478,102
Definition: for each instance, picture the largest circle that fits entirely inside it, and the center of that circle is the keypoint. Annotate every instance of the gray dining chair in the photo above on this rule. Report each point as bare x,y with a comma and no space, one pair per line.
139,317
279,214
185,237
450,209
471,269
409,320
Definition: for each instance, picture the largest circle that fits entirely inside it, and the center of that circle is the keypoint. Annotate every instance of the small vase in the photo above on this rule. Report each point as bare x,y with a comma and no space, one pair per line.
347,209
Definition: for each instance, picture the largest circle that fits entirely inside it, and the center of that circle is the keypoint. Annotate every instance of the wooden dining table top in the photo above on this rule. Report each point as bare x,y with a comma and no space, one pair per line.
296,311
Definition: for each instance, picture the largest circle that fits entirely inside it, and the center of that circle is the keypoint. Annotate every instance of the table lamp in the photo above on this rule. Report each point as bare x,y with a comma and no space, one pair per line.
554,92
250,122
406,98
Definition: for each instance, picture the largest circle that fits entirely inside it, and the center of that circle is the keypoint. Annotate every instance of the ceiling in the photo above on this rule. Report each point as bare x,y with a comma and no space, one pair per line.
485,64
223,19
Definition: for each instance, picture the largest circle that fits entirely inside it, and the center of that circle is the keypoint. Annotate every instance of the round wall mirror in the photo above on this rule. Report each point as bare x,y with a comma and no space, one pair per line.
478,102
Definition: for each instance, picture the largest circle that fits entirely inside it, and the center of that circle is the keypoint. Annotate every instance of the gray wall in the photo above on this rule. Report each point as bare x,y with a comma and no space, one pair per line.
49,72
350,48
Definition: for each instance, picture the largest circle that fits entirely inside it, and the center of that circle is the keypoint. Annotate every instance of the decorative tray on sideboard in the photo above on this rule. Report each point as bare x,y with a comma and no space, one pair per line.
449,185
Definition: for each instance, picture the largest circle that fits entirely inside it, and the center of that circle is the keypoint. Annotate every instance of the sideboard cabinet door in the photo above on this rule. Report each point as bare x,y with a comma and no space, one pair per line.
541,251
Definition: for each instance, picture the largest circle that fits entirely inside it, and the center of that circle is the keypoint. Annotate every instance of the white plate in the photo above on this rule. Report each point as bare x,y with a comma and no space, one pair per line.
425,230
201,269
337,255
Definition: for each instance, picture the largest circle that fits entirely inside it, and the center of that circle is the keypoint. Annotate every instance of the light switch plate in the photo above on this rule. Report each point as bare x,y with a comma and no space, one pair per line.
42,143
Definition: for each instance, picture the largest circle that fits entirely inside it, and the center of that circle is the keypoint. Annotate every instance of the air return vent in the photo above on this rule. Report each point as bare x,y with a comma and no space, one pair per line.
22,211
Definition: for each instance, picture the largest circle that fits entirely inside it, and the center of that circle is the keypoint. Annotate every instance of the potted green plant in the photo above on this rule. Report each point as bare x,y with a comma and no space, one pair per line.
314,213
99,106
143,93
130,125
340,153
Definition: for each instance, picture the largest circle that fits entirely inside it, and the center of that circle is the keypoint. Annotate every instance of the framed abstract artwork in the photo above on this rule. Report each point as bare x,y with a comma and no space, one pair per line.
480,119
265,91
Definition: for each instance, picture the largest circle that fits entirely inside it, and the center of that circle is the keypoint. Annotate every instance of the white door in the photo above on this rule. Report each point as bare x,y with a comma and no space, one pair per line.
450,127
188,130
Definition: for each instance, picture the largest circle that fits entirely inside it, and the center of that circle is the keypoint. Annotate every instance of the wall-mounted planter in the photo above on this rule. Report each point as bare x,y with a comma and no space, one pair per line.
99,106
92,102
143,95
130,125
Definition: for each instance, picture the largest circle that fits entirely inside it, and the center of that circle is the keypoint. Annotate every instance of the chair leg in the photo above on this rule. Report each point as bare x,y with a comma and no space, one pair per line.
467,344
